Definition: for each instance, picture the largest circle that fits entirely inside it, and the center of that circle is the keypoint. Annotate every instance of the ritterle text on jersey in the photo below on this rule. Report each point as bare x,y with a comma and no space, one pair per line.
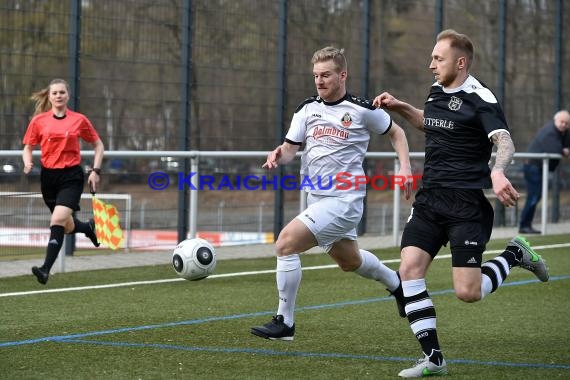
440,123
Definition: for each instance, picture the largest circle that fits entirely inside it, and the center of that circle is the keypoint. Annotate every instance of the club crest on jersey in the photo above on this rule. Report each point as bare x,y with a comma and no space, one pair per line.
455,103
346,120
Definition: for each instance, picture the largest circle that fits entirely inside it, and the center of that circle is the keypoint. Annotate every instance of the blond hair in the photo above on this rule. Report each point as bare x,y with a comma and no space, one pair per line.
41,97
459,42
331,53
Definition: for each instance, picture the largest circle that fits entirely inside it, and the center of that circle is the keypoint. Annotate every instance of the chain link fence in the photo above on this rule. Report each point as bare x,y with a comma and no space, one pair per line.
127,60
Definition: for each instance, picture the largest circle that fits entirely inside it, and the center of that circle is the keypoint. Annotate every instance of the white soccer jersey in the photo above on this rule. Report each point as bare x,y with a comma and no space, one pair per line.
336,137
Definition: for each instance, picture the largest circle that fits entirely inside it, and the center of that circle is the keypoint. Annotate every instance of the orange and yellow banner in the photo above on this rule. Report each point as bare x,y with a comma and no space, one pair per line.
107,226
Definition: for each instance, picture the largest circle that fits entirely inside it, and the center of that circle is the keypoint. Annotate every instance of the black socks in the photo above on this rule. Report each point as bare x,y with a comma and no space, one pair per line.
54,246
80,226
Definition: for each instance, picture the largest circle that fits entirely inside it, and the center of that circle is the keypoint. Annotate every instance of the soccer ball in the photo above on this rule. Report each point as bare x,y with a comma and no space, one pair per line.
194,259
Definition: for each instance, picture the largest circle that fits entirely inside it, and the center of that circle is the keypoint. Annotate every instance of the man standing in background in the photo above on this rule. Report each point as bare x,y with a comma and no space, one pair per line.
552,138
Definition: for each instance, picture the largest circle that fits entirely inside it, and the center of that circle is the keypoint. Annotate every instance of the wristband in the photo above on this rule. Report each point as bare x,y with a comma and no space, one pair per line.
96,170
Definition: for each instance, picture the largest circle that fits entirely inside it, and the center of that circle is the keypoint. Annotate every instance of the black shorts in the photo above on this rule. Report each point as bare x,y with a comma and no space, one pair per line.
62,187
463,217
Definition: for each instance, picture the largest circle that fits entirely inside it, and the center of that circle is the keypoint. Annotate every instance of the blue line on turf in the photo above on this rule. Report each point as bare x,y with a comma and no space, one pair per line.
58,338
308,354
76,338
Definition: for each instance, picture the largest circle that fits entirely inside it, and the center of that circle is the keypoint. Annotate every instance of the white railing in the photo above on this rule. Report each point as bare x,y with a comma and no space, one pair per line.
194,157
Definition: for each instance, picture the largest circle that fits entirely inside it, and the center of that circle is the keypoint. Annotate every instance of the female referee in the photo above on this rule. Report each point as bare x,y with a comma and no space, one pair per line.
57,129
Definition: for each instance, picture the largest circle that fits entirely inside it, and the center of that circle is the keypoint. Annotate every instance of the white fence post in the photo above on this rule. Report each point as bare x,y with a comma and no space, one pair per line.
260,218
194,198
302,200
61,257
544,205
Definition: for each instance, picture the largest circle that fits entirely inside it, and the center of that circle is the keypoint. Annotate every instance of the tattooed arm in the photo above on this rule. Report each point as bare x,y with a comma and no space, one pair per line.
505,150
504,190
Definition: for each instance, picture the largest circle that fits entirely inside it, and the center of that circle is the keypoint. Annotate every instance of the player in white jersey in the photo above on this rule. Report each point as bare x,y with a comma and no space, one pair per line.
461,120
336,136
335,128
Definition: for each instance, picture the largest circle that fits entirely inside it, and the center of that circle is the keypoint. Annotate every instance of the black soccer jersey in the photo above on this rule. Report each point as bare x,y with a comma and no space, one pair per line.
458,125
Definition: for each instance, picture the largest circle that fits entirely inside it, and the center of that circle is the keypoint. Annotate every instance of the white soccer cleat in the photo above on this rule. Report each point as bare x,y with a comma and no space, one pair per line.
425,368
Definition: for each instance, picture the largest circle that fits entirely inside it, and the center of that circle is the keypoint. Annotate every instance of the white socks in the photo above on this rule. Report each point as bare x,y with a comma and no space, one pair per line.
289,273
422,305
288,278
373,268
493,273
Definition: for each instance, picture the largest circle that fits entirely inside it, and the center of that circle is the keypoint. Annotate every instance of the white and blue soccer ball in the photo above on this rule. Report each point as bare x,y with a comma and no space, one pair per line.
194,259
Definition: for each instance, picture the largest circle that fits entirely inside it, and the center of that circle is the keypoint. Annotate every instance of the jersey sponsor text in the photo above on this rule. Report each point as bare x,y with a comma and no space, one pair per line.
330,131
441,123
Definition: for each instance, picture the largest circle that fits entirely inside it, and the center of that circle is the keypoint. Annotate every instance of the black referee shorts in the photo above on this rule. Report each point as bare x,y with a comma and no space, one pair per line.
462,217
62,187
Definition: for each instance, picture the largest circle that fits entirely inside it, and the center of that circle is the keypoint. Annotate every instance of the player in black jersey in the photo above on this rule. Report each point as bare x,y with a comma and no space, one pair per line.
462,120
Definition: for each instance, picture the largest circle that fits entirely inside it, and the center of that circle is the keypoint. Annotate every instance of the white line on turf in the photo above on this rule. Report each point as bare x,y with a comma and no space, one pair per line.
237,274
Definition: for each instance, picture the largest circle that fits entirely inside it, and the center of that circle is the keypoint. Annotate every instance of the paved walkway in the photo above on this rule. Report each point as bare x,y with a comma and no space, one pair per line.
133,259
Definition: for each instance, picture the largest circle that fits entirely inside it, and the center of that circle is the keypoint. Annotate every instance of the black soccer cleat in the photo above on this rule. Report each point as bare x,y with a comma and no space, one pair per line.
91,234
274,330
41,275
398,294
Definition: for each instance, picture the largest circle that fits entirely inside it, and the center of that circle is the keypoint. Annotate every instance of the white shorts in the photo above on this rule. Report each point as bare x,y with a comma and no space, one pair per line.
332,219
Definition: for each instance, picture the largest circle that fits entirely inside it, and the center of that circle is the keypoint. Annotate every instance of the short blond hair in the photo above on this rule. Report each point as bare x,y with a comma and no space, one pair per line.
460,42
331,53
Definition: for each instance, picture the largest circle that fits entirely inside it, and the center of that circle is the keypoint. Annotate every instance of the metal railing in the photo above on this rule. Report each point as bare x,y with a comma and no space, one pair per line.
194,157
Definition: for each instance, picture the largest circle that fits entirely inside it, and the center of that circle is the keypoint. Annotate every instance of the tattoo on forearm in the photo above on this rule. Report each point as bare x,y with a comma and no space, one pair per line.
505,150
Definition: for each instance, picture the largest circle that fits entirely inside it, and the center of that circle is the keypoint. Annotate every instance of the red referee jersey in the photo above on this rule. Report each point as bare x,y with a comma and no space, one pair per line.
59,137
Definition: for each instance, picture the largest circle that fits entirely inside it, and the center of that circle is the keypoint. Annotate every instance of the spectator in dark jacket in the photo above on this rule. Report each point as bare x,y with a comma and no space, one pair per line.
552,138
